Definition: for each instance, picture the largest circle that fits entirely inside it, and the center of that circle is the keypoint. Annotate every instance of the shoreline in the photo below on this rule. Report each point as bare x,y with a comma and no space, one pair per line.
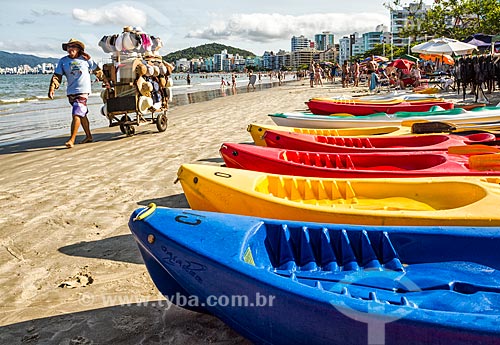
71,271
53,122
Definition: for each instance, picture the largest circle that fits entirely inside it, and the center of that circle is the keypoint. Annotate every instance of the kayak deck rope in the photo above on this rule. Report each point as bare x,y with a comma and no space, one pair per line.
147,211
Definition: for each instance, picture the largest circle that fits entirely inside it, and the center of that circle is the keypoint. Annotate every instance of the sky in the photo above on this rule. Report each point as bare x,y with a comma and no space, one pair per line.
39,27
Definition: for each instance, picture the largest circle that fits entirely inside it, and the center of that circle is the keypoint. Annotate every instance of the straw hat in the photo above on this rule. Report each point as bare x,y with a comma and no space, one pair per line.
73,41
143,104
169,67
151,70
156,70
163,69
141,69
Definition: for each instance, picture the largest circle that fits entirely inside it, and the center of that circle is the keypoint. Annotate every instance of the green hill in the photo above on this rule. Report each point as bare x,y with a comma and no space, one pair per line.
205,50
15,59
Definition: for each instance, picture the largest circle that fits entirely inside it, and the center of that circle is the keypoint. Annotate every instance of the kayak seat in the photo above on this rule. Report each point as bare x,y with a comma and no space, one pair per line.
345,141
296,248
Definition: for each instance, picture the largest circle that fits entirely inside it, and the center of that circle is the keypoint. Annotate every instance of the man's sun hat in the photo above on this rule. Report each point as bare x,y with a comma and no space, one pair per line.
143,104
73,41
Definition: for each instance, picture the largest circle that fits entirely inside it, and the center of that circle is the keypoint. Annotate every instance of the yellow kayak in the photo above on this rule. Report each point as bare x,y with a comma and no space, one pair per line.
257,131
455,201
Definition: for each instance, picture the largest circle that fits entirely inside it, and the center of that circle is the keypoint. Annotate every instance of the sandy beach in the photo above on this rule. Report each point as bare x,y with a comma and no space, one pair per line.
70,270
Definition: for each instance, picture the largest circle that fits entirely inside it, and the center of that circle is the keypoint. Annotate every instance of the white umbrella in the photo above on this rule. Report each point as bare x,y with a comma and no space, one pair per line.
444,45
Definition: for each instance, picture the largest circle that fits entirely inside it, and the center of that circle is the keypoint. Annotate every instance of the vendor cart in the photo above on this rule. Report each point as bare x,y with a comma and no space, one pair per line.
138,93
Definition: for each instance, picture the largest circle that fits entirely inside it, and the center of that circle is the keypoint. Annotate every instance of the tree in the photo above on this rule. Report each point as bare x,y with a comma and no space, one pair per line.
453,18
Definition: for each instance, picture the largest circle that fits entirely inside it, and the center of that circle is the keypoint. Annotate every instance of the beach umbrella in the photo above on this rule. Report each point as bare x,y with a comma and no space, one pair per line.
377,59
401,64
444,45
409,57
481,41
442,58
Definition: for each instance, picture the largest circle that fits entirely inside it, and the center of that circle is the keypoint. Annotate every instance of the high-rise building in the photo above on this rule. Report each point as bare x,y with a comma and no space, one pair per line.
344,49
401,17
300,42
324,40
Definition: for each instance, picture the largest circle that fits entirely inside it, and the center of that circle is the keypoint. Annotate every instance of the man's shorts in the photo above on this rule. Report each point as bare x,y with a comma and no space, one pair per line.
79,104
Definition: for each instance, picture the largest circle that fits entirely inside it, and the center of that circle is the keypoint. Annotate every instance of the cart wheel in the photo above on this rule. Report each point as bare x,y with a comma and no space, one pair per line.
161,122
129,130
123,129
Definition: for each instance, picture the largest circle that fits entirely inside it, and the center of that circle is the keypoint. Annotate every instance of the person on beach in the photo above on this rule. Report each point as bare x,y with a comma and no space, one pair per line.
355,72
371,67
76,67
416,75
311,73
188,79
345,74
251,80
333,71
318,75
233,80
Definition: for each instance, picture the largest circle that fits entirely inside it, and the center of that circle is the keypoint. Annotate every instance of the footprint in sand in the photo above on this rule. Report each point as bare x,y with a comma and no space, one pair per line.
76,281
80,341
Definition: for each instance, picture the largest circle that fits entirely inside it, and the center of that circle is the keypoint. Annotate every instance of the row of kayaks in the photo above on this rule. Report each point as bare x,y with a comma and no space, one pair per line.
335,240
481,115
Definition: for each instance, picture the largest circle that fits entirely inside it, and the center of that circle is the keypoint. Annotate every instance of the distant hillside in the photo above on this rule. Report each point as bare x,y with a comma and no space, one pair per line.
15,59
205,50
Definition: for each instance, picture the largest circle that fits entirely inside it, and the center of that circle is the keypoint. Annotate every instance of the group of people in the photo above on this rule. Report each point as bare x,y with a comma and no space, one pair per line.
397,77
315,74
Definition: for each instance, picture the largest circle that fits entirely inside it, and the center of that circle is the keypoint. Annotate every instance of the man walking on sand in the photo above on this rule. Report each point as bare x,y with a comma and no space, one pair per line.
76,67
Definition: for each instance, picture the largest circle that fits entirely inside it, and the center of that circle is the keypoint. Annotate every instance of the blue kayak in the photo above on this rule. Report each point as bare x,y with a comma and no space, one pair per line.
288,282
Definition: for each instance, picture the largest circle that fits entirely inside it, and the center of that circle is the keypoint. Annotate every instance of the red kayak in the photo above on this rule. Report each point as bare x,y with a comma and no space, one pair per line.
349,165
404,143
326,107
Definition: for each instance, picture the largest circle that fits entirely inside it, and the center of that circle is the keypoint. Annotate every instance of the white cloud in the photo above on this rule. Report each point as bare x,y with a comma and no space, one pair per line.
261,27
120,14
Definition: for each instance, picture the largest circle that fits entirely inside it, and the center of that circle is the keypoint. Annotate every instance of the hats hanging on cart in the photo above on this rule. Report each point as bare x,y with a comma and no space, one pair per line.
141,70
150,71
143,104
144,87
119,43
169,67
110,42
156,71
102,43
156,43
131,41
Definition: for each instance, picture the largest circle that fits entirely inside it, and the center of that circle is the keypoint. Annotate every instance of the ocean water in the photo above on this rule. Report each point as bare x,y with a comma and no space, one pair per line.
26,113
